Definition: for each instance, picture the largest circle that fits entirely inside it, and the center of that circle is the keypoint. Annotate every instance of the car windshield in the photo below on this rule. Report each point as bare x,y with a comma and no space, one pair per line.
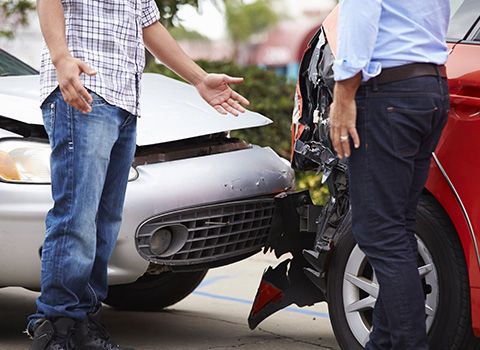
465,13
10,65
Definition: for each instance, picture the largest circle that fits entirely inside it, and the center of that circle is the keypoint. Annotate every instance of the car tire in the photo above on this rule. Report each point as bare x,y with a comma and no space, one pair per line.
450,325
154,292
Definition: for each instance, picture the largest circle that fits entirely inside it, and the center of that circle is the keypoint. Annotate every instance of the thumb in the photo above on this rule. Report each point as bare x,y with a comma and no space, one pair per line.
232,80
85,68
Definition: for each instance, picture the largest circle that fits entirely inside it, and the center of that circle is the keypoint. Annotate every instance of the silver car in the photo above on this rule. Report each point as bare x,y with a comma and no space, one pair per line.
196,199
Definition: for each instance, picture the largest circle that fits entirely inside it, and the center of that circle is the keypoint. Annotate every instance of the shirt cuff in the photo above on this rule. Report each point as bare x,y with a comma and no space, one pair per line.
150,15
344,70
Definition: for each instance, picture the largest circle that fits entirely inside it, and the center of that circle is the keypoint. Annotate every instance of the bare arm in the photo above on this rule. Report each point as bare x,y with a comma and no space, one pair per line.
52,23
212,87
343,115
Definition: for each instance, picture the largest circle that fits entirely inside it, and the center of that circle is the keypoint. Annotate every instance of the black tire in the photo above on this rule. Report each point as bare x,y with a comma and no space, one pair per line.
451,326
154,292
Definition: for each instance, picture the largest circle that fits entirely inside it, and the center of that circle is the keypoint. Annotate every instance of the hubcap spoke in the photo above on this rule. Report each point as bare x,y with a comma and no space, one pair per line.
429,311
362,305
425,270
364,284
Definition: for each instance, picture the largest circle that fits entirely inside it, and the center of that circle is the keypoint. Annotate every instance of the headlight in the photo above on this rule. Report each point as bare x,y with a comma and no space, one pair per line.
29,162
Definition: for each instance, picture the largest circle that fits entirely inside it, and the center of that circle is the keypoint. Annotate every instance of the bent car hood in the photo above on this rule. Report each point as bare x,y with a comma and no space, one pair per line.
171,110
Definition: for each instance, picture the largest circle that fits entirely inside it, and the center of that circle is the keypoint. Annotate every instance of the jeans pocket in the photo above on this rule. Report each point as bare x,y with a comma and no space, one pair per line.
49,112
98,100
408,128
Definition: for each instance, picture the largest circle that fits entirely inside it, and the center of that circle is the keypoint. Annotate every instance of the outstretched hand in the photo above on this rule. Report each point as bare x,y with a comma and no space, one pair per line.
215,89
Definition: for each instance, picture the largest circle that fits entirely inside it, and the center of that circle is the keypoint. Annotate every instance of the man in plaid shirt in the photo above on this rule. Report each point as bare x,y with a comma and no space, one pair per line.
90,77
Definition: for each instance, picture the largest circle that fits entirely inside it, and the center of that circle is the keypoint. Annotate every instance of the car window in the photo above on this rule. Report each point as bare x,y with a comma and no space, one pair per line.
10,65
465,14
476,37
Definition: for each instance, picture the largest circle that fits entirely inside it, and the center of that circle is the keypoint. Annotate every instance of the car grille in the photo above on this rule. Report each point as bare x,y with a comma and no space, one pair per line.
215,232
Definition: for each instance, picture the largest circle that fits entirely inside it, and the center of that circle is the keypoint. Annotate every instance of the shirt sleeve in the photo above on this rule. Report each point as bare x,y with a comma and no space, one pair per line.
150,13
357,33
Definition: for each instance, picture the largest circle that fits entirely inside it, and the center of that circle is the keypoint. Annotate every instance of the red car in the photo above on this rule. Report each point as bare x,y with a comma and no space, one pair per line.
327,265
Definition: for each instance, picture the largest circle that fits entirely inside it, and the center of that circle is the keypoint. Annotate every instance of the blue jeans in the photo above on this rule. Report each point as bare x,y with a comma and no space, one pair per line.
90,162
399,124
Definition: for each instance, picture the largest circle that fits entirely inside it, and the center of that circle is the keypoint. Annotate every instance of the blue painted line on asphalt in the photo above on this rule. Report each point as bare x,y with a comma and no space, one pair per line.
248,302
212,280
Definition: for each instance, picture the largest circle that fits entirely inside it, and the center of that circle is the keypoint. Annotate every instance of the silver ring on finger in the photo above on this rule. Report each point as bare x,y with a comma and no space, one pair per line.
344,138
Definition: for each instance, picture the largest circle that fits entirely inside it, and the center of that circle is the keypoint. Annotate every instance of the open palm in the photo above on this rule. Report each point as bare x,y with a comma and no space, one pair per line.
216,91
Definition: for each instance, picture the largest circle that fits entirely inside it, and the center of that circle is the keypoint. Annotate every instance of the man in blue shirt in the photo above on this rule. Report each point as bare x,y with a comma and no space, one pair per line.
390,103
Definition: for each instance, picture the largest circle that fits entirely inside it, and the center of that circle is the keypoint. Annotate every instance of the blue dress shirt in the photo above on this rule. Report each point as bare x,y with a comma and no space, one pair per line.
376,34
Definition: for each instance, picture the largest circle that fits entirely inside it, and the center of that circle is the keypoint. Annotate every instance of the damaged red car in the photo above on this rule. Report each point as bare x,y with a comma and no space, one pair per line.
325,264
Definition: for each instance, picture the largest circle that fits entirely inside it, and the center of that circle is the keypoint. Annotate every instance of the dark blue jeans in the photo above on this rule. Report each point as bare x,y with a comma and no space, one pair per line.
399,125
90,162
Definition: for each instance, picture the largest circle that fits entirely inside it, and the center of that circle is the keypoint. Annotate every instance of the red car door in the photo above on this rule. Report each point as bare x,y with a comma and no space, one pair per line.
455,173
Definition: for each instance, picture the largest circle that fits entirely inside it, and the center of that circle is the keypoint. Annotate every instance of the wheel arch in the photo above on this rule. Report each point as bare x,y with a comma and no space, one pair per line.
441,189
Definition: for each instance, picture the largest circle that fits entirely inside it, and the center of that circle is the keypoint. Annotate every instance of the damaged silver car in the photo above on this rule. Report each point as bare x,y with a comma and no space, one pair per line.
196,198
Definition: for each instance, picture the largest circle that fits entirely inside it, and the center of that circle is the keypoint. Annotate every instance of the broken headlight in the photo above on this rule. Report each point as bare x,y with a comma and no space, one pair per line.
29,162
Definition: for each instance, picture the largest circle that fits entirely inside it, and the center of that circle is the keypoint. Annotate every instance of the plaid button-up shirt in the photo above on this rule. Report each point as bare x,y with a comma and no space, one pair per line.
107,35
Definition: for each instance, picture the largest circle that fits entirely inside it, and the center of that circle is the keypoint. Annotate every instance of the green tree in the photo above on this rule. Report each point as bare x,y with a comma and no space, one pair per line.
182,33
13,13
246,19
169,8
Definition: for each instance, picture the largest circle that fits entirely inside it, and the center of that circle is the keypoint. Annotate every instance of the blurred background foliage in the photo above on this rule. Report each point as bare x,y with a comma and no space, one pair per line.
13,13
272,96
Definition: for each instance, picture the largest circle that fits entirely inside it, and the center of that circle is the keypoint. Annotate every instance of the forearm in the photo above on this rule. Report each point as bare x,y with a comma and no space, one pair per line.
345,90
164,47
52,24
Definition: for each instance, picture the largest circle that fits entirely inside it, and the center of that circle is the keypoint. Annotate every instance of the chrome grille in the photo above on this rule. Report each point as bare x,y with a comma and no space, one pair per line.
215,232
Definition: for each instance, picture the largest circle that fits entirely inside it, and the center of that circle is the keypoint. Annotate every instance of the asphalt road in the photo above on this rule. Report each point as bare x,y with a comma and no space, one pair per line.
213,317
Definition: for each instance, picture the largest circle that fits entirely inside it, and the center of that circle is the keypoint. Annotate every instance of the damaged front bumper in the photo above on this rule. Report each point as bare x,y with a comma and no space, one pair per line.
308,233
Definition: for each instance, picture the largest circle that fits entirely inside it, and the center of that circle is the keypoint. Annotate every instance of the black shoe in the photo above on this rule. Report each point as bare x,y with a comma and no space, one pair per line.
53,335
90,334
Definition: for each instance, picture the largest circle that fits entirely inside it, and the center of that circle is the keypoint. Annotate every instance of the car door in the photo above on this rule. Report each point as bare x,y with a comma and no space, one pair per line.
456,168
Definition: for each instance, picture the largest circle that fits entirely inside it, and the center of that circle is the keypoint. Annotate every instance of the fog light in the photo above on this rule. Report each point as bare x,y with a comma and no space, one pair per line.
168,240
160,241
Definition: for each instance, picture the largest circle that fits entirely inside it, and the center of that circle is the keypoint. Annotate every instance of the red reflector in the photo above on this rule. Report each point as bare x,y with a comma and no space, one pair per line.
267,293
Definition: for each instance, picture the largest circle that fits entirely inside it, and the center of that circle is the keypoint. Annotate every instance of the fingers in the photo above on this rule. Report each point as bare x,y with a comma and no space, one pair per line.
85,68
230,109
335,138
237,106
355,138
74,98
220,110
232,80
340,137
240,98
344,143
83,92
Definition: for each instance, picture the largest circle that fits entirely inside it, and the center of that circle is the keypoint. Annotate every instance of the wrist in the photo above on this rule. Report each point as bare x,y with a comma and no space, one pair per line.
198,78
57,58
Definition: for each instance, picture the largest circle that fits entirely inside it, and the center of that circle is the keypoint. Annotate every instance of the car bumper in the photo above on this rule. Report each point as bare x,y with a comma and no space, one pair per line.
160,188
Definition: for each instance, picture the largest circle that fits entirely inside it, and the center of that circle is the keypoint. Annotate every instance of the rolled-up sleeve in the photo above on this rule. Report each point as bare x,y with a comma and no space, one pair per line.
150,13
357,32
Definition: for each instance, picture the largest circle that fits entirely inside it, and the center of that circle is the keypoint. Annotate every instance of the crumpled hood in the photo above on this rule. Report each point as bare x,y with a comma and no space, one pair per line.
171,110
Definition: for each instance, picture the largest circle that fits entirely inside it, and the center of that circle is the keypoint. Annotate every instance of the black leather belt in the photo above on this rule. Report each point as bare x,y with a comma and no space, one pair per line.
413,70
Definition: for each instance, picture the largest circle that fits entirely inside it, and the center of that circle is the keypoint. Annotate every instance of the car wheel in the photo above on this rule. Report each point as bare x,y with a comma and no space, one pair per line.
352,286
154,292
